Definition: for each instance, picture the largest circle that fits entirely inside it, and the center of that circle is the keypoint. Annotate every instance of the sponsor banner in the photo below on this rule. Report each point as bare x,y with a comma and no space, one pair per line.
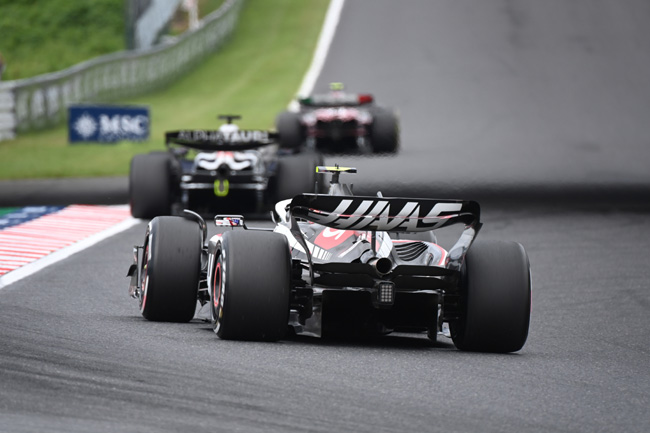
107,123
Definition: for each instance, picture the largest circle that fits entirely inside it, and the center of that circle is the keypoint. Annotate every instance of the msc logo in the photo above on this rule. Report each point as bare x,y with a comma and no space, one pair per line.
108,123
123,125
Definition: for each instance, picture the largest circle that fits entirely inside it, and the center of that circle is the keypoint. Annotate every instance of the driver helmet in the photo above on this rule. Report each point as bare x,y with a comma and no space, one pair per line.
228,128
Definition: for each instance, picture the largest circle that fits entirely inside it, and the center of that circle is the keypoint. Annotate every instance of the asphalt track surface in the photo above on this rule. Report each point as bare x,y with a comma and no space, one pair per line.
526,98
76,356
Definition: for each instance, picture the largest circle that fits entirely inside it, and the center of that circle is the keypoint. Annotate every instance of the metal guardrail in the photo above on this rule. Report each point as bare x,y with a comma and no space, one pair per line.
41,102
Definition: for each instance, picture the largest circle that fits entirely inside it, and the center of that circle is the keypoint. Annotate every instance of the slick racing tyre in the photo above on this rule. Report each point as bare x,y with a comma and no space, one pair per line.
297,174
291,131
495,299
384,132
150,185
171,268
250,288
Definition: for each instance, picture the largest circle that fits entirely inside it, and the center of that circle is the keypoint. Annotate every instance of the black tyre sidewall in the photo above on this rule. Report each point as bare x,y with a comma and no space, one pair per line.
171,275
150,185
384,132
290,129
495,298
251,286
297,174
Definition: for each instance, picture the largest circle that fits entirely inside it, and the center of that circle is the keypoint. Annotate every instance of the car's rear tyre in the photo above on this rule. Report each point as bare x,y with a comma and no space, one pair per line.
250,288
290,130
384,132
150,185
171,269
297,174
495,299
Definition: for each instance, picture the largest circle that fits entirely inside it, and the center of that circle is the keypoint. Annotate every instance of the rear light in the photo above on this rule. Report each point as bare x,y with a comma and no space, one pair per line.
365,99
386,293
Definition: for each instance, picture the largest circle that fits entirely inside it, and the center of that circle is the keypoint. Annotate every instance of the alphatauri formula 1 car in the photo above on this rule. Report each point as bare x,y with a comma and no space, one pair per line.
212,170
340,122
337,265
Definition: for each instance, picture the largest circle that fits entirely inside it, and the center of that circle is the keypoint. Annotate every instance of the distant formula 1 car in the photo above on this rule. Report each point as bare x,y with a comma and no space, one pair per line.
209,171
338,265
340,122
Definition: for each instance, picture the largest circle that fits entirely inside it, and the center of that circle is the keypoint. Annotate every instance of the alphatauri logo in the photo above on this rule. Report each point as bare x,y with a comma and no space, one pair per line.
241,136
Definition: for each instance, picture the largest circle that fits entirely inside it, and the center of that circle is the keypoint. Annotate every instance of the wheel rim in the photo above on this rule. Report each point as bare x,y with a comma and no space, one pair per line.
218,293
144,283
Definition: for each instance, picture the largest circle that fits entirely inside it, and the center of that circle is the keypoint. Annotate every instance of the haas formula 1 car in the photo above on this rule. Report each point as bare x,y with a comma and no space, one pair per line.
338,264
340,122
224,169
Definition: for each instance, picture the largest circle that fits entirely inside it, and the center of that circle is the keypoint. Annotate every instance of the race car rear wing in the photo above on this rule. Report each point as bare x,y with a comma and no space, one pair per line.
341,100
383,214
214,140
389,215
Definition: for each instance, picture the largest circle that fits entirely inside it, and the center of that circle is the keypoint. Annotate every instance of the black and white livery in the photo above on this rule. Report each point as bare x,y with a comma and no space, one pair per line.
340,122
338,265
212,170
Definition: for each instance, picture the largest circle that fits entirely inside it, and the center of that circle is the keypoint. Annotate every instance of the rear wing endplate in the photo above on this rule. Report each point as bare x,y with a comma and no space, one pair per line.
215,140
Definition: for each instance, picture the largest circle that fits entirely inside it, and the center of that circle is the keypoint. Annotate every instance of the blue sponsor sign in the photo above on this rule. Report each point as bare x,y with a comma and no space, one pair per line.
107,123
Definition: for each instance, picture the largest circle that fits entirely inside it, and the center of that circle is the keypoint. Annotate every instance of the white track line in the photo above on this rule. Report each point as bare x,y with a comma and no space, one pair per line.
64,253
323,46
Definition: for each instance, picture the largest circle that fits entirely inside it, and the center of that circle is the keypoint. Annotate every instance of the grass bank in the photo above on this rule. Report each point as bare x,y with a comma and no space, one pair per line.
254,75
41,36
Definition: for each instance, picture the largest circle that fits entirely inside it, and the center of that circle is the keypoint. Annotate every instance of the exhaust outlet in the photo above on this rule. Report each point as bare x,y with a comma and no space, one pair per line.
381,265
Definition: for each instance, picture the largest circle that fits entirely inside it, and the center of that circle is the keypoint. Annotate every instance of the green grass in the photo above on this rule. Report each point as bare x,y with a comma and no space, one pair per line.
40,36
6,210
255,75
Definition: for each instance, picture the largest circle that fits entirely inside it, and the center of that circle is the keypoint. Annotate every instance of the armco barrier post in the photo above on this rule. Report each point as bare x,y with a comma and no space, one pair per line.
7,116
